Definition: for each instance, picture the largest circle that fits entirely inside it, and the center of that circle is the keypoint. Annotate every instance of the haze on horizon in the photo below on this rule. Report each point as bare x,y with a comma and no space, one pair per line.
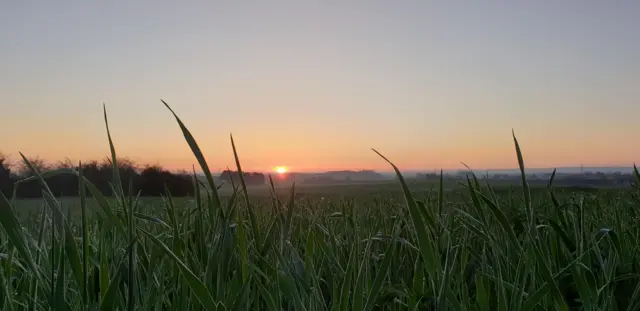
314,86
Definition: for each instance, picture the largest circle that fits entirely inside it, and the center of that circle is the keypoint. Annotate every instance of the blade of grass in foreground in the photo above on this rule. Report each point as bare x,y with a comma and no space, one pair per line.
60,291
71,249
525,186
151,219
48,174
441,195
242,245
428,252
382,274
16,236
290,206
252,215
104,206
117,182
554,200
217,205
534,299
6,285
111,291
131,253
346,280
104,272
33,287
85,237
553,176
502,221
198,288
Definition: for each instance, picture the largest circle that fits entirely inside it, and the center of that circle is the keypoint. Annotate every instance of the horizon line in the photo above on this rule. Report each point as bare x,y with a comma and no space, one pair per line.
444,170
8,156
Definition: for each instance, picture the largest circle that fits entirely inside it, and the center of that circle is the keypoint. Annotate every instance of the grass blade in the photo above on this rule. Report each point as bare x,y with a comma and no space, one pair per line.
16,236
252,216
216,203
376,287
199,289
116,182
85,236
428,252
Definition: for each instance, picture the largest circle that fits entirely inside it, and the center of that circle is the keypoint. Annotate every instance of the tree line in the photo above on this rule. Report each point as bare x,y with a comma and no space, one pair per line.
149,180
250,178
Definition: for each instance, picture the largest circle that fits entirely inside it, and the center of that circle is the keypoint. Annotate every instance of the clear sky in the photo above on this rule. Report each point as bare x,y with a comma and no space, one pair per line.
315,84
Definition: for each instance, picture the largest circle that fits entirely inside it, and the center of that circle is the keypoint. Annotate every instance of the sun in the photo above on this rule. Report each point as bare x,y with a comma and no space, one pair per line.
280,169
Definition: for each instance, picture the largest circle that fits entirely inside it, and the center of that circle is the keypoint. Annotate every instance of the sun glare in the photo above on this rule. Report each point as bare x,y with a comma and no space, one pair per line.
280,169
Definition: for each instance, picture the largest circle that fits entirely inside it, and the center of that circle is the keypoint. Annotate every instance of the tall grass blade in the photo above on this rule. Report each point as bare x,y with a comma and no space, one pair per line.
252,215
15,235
85,235
71,249
131,253
33,287
525,187
553,176
104,206
441,194
502,221
378,281
116,182
199,289
109,297
242,245
216,203
428,252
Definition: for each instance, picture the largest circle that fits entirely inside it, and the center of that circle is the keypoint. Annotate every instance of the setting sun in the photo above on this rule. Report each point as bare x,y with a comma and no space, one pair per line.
280,169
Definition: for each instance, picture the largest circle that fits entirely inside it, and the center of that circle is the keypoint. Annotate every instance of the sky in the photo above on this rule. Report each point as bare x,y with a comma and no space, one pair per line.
314,85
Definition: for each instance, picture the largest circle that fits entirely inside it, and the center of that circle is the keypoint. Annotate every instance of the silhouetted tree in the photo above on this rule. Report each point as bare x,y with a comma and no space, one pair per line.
150,181
250,178
5,176
154,181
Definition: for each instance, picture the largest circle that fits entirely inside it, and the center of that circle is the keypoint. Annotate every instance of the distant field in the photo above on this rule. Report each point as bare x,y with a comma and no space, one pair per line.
364,192
360,188
333,245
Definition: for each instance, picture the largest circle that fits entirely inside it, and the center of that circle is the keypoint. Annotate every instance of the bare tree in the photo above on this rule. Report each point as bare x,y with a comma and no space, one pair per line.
66,163
38,163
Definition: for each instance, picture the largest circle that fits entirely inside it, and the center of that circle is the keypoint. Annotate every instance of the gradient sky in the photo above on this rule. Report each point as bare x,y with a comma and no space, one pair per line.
315,84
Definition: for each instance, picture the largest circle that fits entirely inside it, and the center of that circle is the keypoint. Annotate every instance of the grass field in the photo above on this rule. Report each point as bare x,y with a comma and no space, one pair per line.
468,248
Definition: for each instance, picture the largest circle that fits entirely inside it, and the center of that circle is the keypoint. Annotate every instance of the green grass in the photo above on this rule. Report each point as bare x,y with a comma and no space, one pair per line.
469,248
